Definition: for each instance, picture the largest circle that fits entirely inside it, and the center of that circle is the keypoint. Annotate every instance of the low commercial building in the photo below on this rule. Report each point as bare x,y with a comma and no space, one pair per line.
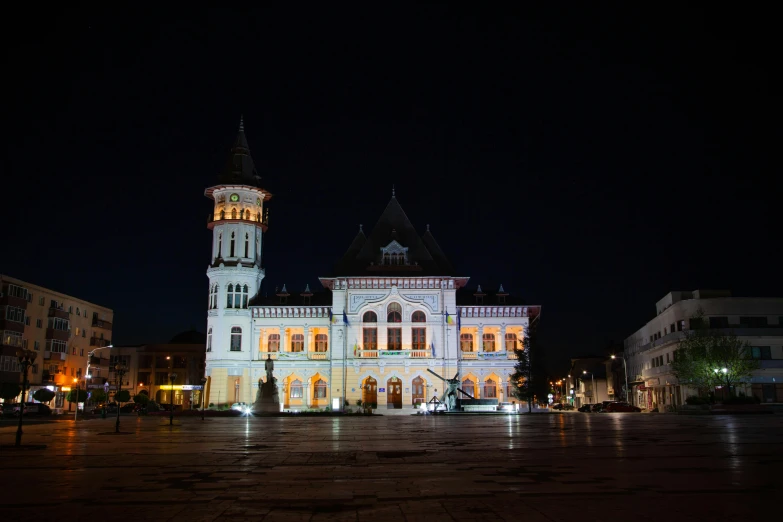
649,351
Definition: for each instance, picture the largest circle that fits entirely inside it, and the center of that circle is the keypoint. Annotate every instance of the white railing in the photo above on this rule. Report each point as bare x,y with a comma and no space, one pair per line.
393,354
294,356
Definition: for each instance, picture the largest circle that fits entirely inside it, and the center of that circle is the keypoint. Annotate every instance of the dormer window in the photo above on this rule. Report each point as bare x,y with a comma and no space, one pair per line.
394,254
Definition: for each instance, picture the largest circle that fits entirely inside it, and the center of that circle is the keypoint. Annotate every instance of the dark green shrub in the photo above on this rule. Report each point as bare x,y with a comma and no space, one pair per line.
43,395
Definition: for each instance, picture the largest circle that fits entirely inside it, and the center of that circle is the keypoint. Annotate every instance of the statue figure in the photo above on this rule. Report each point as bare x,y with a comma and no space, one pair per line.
269,366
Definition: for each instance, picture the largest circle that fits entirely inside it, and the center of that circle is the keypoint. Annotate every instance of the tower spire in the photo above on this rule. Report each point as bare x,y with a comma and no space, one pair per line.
240,168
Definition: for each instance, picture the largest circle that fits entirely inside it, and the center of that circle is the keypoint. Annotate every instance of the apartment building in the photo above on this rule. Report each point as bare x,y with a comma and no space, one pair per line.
62,329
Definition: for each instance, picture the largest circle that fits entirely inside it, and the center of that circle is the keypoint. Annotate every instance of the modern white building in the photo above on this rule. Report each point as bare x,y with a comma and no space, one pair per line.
759,321
392,310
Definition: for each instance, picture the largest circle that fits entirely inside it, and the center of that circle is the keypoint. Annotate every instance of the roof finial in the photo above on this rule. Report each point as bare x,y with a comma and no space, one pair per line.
428,227
393,192
241,123
360,228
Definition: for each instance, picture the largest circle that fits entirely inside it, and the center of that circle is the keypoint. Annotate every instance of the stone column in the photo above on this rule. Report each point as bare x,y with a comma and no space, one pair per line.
306,399
480,339
306,347
502,339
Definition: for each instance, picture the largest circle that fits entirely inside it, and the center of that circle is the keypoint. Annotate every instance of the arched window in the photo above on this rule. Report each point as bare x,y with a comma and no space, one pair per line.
394,313
236,339
370,317
490,390
468,386
466,342
220,246
297,342
273,344
417,389
247,244
230,296
233,213
320,389
418,317
231,252
223,214
489,342
511,342
244,296
370,332
321,343
295,390
209,340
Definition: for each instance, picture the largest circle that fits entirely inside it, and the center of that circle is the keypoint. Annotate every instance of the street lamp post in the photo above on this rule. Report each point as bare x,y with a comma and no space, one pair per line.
26,359
203,389
627,390
592,389
172,378
76,382
120,370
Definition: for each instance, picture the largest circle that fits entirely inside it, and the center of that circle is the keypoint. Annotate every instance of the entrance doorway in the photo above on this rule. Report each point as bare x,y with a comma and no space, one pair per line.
418,391
394,393
370,391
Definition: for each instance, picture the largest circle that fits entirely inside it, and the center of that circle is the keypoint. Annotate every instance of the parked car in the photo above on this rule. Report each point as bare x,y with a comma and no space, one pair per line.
562,407
110,408
601,406
616,407
240,406
586,408
32,408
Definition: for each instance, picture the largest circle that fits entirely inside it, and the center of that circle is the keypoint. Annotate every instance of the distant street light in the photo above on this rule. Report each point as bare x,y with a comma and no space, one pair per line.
26,359
592,389
203,389
120,370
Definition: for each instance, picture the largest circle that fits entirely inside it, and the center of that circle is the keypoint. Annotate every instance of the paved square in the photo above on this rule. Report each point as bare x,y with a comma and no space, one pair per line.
573,466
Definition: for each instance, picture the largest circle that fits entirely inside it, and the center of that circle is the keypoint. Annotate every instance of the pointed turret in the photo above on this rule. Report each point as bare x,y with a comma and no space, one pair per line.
240,168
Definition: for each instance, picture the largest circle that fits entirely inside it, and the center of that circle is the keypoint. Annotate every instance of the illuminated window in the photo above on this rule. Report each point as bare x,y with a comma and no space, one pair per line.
321,343
468,387
295,391
394,313
490,389
297,342
236,339
511,342
273,344
489,342
320,389
466,342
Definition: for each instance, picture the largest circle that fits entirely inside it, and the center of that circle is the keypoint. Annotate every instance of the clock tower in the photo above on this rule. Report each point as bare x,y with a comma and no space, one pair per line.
238,222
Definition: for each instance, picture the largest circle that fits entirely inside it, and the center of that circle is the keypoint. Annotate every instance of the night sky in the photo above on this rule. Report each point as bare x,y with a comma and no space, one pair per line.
590,158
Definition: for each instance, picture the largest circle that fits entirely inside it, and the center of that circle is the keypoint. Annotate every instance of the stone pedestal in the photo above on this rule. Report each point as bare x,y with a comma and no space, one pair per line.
267,398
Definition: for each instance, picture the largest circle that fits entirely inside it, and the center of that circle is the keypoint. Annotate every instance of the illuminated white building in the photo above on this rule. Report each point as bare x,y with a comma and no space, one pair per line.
392,310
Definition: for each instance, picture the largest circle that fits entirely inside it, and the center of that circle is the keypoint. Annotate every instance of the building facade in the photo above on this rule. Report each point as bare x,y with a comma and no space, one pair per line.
393,309
649,351
63,330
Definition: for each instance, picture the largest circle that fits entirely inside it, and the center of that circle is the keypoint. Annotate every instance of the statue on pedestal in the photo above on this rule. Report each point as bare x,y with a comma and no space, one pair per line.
267,398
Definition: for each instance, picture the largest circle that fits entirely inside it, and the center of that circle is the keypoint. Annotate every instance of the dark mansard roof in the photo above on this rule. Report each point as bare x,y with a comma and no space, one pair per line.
364,256
240,168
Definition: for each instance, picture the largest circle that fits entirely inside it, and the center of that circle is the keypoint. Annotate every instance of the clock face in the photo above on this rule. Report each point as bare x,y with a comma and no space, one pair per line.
258,202
234,197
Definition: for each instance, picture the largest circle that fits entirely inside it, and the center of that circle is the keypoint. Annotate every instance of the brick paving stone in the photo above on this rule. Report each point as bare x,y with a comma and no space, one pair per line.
531,468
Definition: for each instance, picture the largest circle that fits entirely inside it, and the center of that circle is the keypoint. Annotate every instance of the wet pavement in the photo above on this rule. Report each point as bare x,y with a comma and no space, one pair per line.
525,468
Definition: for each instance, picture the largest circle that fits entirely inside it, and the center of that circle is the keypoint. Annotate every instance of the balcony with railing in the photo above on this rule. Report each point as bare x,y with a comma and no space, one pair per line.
54,356
393,354
98,323
295,356
247,217
100,343
483,356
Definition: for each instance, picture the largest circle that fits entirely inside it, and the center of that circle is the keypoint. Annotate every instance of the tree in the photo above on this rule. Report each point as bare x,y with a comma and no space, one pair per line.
9,390
71,397
98,395
43,395
708,358
122,396
529,379
141,398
